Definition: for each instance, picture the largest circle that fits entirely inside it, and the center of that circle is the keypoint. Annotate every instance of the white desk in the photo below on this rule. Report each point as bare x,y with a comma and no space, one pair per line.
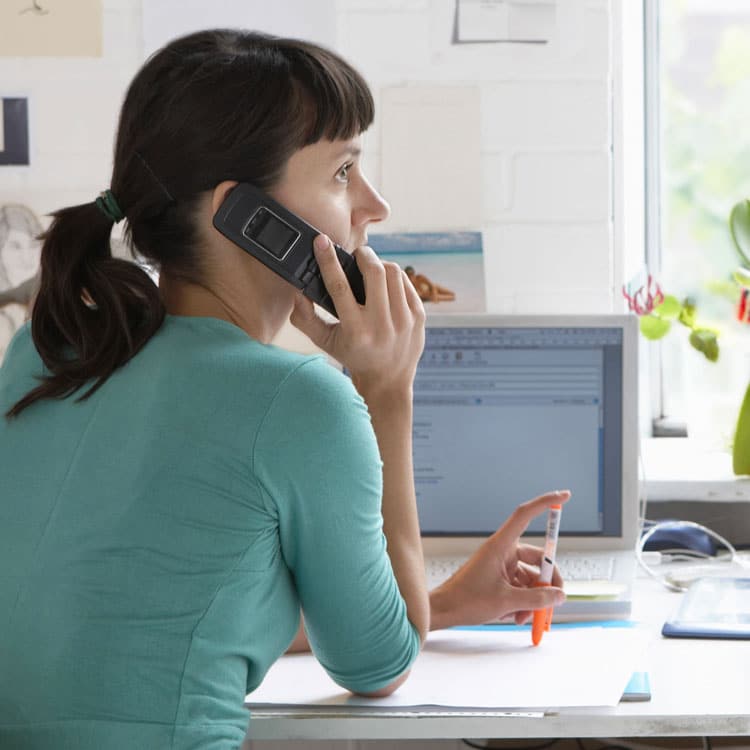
699,687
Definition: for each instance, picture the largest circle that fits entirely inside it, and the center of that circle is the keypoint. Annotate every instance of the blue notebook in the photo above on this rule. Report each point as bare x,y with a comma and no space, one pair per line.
712,608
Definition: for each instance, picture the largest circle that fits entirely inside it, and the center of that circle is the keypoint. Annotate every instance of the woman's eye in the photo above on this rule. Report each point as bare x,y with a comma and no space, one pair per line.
343,174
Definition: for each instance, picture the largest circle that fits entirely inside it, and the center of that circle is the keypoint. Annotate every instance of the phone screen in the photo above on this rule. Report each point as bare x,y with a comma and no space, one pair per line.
273,234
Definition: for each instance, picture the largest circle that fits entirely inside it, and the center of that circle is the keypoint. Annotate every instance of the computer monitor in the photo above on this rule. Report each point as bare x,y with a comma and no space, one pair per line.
509,407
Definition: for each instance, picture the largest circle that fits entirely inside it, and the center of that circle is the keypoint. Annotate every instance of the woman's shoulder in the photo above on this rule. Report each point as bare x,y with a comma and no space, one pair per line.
221,349
21,343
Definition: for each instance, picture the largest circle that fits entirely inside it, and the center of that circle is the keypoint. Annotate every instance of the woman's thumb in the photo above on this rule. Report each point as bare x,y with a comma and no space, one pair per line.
540,597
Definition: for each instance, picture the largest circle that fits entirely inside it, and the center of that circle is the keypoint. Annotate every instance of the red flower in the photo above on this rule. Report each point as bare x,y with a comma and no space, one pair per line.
743,307
645,299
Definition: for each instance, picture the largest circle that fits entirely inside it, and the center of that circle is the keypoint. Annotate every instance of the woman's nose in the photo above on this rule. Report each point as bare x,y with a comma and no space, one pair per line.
373,207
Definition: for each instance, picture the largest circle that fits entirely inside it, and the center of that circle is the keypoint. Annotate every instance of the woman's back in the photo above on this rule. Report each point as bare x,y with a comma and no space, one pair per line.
142,583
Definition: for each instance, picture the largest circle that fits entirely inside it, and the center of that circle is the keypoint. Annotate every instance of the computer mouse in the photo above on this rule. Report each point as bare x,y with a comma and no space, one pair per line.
680,535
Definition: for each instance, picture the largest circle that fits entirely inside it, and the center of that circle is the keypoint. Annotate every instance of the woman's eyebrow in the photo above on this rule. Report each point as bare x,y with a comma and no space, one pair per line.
347,151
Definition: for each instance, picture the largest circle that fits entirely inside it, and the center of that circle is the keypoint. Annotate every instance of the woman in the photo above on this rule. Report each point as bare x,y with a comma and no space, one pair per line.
174,489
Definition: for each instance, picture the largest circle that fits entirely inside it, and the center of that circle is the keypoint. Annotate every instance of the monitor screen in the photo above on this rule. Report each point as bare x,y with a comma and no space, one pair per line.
503,413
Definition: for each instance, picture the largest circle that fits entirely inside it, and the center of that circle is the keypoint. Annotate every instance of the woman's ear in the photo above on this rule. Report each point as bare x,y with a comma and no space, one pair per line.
221,191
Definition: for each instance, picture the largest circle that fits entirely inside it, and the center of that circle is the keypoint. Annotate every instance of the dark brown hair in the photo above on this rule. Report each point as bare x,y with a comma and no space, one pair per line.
211,106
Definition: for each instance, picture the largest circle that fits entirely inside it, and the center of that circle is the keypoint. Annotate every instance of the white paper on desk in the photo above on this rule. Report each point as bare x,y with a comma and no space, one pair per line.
166,19
431,167
588,666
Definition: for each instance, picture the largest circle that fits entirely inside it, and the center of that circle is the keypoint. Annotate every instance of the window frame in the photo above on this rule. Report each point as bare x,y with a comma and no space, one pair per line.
677,468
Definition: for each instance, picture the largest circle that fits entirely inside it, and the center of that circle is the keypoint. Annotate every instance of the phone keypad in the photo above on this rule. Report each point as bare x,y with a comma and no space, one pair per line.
310,271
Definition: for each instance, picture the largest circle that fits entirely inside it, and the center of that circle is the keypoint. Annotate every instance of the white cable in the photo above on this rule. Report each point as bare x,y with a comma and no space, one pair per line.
676,555
668,580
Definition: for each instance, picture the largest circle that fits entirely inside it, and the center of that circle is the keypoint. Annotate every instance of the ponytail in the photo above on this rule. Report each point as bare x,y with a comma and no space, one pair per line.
93,312
221,104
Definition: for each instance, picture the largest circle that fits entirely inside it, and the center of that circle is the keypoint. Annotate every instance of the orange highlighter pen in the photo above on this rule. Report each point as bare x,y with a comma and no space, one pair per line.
543,617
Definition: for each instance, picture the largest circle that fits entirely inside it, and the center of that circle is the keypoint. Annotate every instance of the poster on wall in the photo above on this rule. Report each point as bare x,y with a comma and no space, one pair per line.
51,28
19,265
164,20
14,131
446,268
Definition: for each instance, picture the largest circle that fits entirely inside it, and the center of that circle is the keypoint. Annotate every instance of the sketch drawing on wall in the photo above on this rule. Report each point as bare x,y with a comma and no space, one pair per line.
19,262
35,7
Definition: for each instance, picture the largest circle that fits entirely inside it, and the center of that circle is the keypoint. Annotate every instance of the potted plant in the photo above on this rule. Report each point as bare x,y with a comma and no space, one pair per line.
658,312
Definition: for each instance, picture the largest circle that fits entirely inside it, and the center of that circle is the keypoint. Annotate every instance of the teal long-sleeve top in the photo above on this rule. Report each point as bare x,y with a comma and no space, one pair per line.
158,540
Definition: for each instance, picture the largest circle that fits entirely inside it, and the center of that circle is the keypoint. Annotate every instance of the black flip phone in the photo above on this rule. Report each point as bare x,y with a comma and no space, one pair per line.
282,241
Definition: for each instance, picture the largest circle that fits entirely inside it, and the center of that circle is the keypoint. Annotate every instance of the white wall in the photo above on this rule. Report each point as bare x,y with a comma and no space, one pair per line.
546,130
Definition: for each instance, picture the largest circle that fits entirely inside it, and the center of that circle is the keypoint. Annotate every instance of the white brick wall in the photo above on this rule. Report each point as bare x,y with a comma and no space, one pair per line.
545,133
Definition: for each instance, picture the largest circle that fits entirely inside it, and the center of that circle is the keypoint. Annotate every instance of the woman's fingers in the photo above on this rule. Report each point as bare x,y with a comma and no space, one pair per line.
374,276
334,277
412,297
379,342
525,513
525,575
531,555
400,313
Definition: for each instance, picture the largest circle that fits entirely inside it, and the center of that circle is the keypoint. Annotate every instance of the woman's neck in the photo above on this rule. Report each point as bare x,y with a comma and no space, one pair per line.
261,320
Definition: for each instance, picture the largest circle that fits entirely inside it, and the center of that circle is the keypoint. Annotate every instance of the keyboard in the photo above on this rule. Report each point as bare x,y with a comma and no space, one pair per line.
573,567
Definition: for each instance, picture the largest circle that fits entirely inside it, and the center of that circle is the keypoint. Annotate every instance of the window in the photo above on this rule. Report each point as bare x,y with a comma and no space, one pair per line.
698,91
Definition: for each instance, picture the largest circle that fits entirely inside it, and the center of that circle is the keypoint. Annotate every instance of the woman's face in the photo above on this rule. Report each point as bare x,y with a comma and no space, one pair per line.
323,183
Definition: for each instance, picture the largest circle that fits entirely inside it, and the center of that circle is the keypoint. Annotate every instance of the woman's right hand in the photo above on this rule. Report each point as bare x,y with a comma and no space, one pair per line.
500,578
379,342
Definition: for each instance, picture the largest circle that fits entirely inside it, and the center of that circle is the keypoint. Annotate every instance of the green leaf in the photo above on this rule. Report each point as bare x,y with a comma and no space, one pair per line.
654,328
739,226
705,341
687,314
670,308
742,276
741,447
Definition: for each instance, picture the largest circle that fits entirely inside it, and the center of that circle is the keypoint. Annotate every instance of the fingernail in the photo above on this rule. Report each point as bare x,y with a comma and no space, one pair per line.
320,243
560,598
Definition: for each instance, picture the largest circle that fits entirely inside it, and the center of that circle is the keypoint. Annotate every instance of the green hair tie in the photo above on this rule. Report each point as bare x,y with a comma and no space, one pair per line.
107,204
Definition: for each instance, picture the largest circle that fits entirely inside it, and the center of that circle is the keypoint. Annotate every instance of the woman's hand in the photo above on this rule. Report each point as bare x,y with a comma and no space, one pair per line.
379,342
499,579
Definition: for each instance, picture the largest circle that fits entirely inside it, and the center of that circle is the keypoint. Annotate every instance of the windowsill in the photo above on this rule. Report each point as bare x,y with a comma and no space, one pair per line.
686,469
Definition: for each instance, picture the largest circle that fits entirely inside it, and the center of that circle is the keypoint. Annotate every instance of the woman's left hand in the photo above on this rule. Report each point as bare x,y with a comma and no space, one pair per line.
499,579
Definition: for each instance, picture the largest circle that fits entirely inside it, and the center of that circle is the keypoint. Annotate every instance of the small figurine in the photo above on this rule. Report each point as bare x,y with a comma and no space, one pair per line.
427,290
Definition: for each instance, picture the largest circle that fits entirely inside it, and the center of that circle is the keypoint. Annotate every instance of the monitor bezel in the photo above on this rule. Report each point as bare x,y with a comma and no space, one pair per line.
449,546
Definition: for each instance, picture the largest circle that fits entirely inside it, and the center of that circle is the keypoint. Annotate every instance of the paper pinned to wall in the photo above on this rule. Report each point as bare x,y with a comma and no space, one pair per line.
51,28
487,668
522,21
482,20
164,20
430,152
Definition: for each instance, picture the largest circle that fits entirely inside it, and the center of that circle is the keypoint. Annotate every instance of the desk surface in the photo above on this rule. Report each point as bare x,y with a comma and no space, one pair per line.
698,687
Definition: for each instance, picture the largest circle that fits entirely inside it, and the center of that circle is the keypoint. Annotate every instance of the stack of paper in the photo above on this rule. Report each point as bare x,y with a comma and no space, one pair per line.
482,668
